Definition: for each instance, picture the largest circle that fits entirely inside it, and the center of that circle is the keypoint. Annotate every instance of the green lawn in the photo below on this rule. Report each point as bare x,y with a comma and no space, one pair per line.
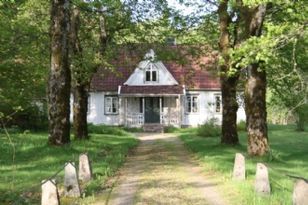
289,156
35,161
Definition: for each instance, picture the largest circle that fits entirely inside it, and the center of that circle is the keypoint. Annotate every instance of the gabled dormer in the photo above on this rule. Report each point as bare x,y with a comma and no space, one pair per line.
151,72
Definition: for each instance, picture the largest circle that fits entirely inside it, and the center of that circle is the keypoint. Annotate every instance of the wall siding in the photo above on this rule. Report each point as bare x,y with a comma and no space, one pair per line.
206,112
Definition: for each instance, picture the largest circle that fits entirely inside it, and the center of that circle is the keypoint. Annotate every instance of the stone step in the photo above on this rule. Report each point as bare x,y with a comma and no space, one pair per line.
153,127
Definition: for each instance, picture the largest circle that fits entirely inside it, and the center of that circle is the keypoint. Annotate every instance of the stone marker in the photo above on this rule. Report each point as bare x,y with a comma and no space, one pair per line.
239,167
262,185
71,184
50,194
85,173
300,193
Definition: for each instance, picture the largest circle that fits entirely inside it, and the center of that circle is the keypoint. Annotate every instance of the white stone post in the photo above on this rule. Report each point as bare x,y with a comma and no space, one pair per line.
239,170
300,192
262,184
71,184
85,173
50,195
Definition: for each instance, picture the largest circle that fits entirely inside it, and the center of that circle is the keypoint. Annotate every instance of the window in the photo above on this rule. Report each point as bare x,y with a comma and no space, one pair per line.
192,104
111,105
151,74
141,105
217,103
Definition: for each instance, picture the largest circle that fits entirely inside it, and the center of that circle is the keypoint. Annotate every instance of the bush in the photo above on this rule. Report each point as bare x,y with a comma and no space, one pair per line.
132,129
170,129
209,129
104,129
241,126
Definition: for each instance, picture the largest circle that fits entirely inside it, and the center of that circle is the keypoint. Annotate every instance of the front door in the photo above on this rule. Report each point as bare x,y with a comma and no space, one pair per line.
152,112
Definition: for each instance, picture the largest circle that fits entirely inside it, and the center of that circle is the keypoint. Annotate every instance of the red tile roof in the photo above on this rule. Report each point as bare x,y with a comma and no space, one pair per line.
196,74
152,90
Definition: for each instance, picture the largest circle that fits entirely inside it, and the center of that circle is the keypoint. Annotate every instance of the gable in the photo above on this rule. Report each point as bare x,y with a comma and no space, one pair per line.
143,74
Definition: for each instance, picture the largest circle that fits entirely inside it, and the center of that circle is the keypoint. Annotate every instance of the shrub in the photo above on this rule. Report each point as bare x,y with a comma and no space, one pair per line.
170,129
104,129
209,129
241,126
132,129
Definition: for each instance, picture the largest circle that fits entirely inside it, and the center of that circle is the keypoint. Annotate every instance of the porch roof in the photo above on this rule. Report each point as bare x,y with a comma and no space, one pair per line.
156,90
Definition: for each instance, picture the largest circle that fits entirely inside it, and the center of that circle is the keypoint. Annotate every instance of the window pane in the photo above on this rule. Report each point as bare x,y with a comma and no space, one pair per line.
148,76
195,104
115,105
108,105
188,104
154,76
218,102
140,105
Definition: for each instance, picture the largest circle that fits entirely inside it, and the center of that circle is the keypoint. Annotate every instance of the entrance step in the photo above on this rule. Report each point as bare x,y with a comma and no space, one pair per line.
153,127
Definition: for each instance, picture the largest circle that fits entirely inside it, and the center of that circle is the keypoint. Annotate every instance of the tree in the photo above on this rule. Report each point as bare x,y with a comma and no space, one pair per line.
24,62
59,81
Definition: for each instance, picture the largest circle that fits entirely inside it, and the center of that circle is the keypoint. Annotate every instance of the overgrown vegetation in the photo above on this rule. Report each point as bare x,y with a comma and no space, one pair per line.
289,155
209,129
35,161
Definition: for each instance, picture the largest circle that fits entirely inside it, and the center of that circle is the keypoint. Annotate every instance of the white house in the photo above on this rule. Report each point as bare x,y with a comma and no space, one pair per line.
154,92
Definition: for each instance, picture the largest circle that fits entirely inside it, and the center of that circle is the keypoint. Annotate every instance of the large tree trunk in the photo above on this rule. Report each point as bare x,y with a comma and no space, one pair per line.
255,106
59,75
230,107
255,94
80,108
80,91
228,83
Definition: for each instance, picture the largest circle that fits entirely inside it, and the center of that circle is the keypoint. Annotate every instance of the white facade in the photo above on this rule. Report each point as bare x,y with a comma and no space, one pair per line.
184,108
206,109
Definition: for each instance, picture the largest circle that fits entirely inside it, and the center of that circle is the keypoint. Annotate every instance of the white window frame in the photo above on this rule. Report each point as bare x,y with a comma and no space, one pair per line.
189,99
215,103
114,105
151,69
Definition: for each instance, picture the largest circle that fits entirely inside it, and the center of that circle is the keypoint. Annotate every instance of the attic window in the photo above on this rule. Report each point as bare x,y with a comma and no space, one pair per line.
151,74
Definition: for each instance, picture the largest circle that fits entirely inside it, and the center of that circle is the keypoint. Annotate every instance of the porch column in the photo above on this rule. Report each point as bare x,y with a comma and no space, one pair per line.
126,112
179,110
121,111
143,109
160,112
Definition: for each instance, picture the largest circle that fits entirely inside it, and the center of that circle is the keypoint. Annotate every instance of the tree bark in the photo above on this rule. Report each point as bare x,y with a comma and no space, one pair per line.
230,107
255,95
255,106
228,83
80,83
59,75
80,108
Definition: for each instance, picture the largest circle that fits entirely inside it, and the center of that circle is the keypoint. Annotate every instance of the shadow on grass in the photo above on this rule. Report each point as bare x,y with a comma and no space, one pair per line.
35,161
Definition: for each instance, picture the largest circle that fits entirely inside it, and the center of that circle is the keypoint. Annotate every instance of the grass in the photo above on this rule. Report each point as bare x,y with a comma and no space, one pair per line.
35,161
289,155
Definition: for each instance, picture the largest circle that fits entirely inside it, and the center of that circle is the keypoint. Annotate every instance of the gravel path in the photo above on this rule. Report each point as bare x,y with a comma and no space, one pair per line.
161,171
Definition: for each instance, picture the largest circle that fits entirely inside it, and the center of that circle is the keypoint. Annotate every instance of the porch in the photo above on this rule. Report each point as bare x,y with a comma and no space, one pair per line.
137,111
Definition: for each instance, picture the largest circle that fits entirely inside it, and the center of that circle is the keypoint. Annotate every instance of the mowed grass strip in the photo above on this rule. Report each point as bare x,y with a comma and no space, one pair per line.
289,156
35,161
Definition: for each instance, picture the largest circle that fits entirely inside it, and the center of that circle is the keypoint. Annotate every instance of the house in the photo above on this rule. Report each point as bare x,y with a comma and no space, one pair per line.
156,92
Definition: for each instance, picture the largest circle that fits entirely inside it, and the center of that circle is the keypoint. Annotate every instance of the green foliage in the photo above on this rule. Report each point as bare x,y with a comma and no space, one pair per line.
289,155
132,129
106,152
104,129
171,129
241,126
209,129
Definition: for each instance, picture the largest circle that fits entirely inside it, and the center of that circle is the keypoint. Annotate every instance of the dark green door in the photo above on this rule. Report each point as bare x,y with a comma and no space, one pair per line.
152,113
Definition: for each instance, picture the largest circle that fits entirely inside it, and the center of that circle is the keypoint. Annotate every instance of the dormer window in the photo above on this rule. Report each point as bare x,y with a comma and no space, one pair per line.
151,74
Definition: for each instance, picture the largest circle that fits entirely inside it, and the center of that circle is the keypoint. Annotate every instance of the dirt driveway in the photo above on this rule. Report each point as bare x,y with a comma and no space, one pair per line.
161,171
